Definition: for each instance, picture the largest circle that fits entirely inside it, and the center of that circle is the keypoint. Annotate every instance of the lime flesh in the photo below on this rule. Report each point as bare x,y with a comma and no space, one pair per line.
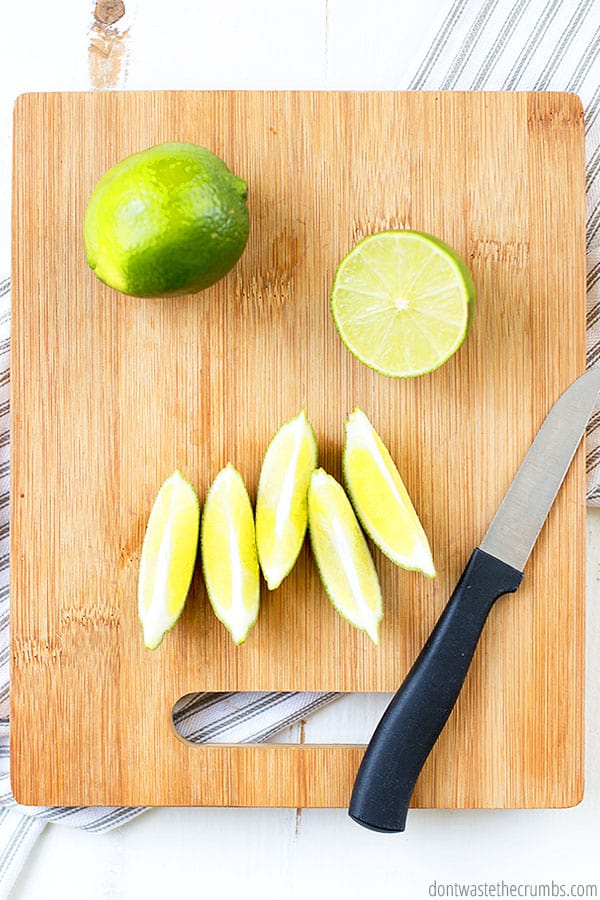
342,556
380,498
229,558
168,558
281,503
402,302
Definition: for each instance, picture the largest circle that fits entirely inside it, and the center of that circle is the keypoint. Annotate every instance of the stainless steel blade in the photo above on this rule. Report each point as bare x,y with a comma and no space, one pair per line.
514,529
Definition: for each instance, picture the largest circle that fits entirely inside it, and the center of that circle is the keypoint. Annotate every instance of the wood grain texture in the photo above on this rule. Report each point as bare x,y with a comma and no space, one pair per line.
110,394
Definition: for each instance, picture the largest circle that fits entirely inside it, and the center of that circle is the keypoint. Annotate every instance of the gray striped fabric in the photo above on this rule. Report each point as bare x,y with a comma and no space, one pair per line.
533,45
492,45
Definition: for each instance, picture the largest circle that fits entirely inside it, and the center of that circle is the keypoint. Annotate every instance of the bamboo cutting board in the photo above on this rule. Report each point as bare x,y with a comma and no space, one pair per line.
110,394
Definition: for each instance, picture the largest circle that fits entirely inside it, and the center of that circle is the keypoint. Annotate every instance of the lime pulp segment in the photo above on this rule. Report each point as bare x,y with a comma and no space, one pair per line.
229,558
168,558
342,556
281,503
402,302
380,497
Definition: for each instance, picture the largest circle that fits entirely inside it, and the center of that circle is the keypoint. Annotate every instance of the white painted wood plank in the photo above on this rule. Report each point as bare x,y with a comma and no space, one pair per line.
349,720
257,853
372,46
44,48
167,853
264,44
73,865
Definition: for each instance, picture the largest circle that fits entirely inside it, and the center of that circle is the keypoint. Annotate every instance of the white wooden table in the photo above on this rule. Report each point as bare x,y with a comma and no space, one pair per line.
285,853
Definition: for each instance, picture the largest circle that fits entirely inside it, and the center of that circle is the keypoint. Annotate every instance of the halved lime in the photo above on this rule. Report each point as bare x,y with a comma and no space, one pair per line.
402,302
168,558
229,560
380,498
342,556
281,502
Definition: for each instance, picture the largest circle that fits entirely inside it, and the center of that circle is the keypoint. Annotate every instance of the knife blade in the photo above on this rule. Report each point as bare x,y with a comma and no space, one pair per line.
419,710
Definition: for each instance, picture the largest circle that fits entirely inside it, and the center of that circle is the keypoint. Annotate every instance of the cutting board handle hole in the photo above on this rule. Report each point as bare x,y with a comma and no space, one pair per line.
253,717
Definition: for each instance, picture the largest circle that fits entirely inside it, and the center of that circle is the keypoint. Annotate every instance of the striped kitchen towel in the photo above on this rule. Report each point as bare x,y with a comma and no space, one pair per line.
479,44
532,45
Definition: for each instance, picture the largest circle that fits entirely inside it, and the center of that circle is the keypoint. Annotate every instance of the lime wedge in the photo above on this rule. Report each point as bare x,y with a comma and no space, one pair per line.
342,556
402,302
380,498
168,558
281,504
229,559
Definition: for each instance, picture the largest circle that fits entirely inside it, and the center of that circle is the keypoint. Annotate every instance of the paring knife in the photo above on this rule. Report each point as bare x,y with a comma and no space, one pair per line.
418,712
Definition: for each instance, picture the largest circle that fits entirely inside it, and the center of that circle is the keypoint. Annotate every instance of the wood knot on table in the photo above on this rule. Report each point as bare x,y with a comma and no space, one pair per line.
108,45
107,12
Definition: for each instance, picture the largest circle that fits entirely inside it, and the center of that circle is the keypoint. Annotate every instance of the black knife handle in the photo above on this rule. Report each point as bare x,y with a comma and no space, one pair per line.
415,717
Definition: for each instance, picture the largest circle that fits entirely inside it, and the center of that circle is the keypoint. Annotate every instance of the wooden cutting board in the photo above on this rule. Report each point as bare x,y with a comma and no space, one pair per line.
110,394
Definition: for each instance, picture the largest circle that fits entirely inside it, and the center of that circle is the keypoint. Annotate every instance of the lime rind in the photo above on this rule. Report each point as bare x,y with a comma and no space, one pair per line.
279,542
359,433
169,220
381,345
238,611
340,551
160,612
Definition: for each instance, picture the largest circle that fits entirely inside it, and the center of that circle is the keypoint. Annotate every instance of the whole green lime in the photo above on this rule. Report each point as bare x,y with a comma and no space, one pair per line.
170,220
